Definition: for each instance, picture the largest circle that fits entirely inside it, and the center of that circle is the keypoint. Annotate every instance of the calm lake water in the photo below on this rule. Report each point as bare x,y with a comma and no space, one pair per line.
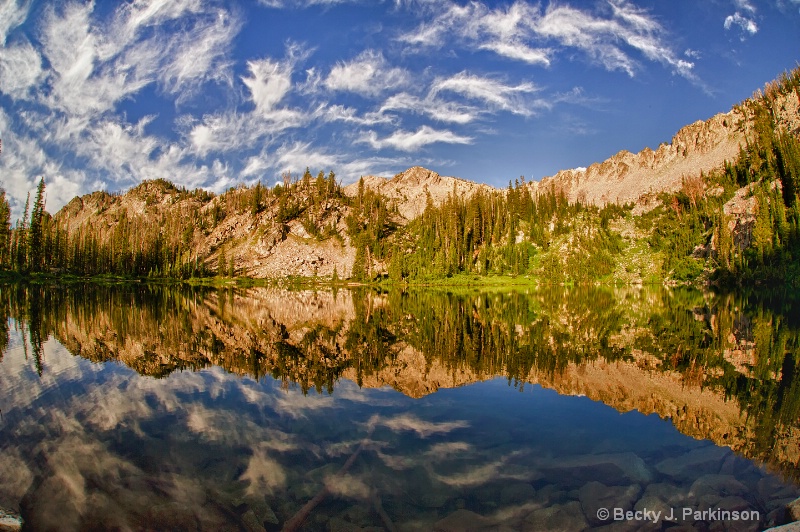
143,407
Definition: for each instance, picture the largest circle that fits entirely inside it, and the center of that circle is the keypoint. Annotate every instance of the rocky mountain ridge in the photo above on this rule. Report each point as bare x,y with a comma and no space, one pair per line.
699,147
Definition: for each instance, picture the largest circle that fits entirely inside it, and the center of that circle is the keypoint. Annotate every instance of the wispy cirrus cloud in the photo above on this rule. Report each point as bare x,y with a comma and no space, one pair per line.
600,37
369,74
200,55
525,32
282,4
20,70
495,94
12,14
503,31
350,115
413,140
437,109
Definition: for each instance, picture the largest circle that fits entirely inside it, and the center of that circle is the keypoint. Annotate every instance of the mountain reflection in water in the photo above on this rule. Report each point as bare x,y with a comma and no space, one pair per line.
218,429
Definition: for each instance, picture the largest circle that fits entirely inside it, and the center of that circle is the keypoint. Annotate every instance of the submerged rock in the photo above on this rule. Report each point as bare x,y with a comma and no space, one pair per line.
661,498
688,466
517,492
708,490
10,521
791,527
612,469
561,517
793,510
251,522
464,521
595,496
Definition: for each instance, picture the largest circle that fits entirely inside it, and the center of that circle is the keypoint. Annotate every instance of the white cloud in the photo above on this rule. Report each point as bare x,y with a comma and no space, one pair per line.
142,13
745,24
233,131
70,47
442,111
24,160
495,94
519,51
369,74
340,113
412,141
505,32
119,148
280,4
20,69
271,81
524,32
295,157
255,166
12,14
745,5
200,55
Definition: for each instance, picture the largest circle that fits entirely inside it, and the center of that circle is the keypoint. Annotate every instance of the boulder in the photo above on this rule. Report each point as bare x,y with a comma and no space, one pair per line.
661,498
791,527
559,518
793,510
464,521
688,466
613,469
709,489
596,495
10,521
516,493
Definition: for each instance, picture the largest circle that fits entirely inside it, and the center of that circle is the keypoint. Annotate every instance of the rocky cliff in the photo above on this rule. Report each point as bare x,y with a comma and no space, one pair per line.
699,147
411,189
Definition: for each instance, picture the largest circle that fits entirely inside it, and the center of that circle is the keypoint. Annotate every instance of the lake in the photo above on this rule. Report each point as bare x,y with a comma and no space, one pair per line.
142,407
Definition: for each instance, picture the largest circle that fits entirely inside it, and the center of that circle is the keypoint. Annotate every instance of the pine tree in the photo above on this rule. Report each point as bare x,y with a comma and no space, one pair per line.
36,231
222,263
21,239
5,231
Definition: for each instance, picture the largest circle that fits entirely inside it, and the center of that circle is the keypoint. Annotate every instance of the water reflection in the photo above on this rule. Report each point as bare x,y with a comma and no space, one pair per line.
88,443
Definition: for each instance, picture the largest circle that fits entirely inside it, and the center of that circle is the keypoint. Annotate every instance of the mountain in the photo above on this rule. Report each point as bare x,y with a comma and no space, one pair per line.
410,189
312,226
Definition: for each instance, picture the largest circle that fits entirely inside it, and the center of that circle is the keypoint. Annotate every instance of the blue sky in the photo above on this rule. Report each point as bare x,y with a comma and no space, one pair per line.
211,94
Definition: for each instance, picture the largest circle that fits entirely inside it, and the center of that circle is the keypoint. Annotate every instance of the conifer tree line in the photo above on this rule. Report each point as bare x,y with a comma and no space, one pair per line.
507,232
161,243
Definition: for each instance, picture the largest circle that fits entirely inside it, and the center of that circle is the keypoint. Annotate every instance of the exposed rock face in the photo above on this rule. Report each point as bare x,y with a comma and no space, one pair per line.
410,189
702,146
626,177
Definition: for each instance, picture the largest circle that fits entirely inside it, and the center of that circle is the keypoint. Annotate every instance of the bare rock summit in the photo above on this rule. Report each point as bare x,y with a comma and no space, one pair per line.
410,189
